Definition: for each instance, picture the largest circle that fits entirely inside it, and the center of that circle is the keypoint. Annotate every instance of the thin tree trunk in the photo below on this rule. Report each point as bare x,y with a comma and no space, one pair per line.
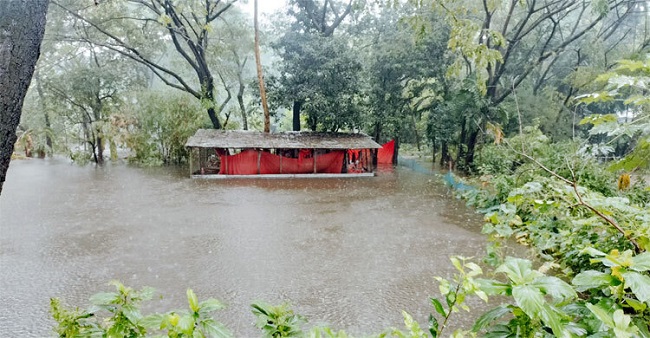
377,133
444,154
415,131
296,115
461,143
396,152
46,115
22,24
434,148
242,107
260,77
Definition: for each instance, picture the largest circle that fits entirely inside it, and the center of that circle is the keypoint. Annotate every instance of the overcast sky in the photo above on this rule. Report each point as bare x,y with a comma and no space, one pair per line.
264,6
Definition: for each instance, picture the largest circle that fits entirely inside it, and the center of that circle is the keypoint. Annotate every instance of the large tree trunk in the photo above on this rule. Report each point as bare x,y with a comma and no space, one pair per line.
296,115
471,146
209,95
22,24
99,158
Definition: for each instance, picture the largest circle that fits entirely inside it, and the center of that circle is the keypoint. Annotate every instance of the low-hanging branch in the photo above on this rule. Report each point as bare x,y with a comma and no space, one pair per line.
581,201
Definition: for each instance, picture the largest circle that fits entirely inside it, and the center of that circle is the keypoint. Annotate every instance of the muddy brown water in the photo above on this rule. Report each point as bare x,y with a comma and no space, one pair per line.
351,253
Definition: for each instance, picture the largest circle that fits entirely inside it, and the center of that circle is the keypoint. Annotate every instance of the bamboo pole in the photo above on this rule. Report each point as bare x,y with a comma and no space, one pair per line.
260,77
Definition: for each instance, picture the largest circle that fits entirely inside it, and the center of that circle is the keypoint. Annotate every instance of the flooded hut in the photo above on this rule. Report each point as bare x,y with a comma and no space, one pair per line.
230,153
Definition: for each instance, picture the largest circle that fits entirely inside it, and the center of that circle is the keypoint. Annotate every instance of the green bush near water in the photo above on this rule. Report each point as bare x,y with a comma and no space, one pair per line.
163,125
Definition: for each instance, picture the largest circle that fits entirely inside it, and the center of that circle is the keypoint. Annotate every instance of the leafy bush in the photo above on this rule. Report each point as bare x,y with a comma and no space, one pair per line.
164,123
117,314
567,207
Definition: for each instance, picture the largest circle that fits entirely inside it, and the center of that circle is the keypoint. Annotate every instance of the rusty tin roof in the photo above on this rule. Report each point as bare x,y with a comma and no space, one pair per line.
213,138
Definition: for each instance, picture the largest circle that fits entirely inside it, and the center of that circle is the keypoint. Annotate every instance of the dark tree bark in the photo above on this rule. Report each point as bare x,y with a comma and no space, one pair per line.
444,154
242,107
296,115
22,24
318,17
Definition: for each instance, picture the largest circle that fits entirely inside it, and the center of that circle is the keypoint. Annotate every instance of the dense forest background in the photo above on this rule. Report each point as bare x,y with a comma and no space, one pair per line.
136,77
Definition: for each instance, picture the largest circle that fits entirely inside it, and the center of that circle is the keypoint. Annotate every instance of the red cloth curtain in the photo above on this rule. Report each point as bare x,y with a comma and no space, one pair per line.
246,163
385,154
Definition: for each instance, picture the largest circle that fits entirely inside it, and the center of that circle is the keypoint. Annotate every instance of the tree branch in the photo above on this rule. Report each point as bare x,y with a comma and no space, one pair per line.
574,185
133,54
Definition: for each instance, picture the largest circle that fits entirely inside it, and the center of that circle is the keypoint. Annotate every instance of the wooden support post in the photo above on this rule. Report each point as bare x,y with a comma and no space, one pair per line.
259,160
191,161
314,157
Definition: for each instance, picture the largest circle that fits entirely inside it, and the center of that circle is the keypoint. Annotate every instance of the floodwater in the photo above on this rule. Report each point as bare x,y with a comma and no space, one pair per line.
351,253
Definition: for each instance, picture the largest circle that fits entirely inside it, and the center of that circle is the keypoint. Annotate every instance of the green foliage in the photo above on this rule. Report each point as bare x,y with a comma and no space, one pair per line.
627,83
322,73
117,314
529,288
73,323
454,294
197,322
164,123
565,205
277,321
506,162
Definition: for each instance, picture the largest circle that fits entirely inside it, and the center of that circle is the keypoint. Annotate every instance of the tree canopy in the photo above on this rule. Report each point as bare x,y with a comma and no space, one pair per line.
440,75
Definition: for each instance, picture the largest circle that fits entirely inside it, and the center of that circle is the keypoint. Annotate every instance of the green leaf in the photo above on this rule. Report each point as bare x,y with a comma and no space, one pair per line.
259,309
555,287
153,321
490,316
518,270
528,298
186,324
412,325
602,314
104,298
492,287
639,284
215,329
451,299
456,262
192,300
593,252
551,318
210,305
131,313
641,262
433,326
636,305
622,327
597,119
438,307
531,300
592,279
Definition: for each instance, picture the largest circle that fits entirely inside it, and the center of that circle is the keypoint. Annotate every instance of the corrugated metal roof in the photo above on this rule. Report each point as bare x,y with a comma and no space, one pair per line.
212,138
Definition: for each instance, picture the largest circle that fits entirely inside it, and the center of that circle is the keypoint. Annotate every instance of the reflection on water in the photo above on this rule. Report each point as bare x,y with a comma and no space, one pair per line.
352,253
